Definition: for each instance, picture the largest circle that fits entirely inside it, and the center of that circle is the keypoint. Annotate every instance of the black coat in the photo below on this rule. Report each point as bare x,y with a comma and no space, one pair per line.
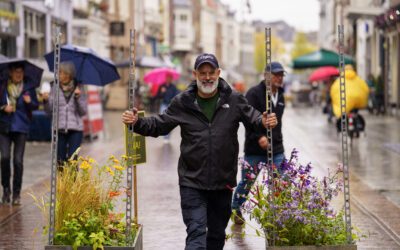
170,92
209,150
256,97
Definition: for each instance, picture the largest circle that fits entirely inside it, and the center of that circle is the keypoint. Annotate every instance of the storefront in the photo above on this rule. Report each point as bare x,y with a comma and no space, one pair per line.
389,24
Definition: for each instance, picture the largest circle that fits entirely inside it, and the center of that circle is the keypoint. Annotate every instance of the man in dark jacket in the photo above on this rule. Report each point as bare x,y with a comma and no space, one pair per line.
208,113
256,143
17,101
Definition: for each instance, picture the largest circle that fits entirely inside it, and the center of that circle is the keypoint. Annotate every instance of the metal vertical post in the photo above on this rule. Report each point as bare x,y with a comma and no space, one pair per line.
268,106
54,136
345,148
130,173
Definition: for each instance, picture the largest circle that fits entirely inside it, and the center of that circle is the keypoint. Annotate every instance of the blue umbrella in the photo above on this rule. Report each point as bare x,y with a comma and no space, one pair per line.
32,73
90,68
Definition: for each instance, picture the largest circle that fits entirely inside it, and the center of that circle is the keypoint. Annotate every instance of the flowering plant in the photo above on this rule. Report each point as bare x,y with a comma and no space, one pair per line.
298,211
87,195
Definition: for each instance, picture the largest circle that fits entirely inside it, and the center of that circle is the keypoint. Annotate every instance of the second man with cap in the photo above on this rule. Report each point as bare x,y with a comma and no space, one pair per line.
256,142
208,113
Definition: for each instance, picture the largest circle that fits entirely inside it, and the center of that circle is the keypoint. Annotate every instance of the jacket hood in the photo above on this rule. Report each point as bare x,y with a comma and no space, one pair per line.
350,74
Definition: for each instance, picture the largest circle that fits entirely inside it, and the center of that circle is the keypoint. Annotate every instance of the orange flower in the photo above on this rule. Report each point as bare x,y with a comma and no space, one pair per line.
113,194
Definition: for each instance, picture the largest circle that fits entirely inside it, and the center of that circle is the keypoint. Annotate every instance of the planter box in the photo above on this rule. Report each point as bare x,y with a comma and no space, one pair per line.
338,247
137,244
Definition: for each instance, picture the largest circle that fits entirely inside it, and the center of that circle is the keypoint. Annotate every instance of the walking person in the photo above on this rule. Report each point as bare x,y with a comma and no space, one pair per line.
72,107
256,142
166,93
17,101
208,113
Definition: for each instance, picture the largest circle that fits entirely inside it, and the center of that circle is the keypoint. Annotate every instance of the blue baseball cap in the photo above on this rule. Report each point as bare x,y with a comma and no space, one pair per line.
206,58
275,67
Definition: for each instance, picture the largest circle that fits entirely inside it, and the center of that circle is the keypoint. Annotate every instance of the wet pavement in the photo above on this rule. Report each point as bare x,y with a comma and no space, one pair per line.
374,185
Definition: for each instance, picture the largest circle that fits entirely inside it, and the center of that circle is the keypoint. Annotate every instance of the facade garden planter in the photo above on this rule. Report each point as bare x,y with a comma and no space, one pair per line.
297,208
338,247
137,244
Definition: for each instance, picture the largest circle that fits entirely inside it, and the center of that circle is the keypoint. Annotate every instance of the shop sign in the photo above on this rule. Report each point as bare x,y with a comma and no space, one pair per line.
135,145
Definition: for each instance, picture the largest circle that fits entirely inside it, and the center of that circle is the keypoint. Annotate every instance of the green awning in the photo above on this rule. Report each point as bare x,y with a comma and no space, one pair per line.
320,58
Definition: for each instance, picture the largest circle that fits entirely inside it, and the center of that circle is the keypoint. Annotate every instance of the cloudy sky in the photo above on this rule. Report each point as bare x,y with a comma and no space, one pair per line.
302,14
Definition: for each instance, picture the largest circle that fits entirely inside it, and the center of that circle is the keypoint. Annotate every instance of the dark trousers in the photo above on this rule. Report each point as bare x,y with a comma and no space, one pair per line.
67,144
206,214
18,139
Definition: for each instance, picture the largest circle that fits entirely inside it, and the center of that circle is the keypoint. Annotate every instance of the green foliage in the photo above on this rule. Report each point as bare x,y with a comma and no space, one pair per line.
301,46
87,195
277,49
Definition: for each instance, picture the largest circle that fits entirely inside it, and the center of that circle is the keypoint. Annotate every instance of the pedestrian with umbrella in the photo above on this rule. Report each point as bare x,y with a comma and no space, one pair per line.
72,108
79,65
166,92
18,99
159,79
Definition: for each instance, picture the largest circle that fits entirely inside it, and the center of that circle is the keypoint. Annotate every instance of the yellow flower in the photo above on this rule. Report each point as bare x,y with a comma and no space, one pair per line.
116,161
85,165
111,157
110,171
119,167
91,160
124,157
73,162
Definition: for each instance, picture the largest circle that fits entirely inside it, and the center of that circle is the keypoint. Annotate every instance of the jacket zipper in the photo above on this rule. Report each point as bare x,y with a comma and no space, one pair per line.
209,155
66,119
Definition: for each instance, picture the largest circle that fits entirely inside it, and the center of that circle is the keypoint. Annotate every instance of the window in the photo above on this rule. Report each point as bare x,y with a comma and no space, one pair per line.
183,18
117,28
8,46
55,22
79,35
34,35
7,6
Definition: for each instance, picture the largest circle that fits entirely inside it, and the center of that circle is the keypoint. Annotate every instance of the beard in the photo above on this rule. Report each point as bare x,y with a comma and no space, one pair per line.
207,86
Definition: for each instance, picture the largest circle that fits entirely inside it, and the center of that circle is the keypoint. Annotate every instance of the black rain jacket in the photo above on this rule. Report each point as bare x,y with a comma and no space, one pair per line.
256,98
209,150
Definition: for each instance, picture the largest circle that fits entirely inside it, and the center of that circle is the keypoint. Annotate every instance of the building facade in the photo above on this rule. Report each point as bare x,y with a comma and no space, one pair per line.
39,20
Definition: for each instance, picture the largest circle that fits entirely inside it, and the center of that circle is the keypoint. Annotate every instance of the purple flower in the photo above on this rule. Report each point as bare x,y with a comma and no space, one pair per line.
298,199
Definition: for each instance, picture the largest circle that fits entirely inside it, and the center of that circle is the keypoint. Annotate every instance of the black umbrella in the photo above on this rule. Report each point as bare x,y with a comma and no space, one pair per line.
32,73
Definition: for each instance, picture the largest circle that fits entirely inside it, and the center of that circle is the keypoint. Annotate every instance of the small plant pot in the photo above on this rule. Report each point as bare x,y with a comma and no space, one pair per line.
137,244
338,247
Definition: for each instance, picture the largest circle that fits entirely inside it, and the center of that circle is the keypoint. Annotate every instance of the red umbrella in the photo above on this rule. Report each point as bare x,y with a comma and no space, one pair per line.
323,73
159,76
